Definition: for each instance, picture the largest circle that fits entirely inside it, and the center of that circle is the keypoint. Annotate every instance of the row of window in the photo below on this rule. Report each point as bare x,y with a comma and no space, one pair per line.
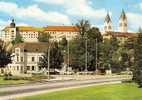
17,68
29,35
32,59
121,24
31,68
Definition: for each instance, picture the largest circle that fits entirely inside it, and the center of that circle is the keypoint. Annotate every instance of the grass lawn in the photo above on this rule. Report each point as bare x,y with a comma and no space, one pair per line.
124,91
2,81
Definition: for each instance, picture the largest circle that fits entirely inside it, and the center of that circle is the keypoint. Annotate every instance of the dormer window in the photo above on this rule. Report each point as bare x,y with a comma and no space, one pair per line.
17,50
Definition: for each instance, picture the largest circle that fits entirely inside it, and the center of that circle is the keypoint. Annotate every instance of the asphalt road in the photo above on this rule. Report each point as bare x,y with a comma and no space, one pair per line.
12,91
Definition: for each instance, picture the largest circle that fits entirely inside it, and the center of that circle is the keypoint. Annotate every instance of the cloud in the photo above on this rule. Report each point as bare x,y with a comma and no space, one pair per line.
78,7
4,23
134,20
140,5
33,12
51,1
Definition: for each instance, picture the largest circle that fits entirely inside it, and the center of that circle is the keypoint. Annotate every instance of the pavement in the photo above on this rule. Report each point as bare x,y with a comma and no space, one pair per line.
61,83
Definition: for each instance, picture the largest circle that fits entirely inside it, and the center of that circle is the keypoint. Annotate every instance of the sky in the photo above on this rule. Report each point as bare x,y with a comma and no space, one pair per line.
68,12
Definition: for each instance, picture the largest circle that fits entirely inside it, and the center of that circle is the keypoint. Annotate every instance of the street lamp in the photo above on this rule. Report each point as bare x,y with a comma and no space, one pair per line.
49,62
68,54
96,40
86,55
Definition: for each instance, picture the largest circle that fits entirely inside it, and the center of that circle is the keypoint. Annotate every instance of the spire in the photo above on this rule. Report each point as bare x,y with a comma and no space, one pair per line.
107,23
123,15
107,19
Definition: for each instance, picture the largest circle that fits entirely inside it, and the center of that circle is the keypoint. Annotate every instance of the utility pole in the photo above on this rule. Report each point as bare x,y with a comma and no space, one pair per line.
68,55
49,62
96,56
86,55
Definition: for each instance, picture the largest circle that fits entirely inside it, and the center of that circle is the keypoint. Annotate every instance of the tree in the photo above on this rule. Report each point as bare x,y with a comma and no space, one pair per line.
78,50
18,39
5,56
63,44
109,54
56,57
43,37
127,54
94,40
137,70
83,26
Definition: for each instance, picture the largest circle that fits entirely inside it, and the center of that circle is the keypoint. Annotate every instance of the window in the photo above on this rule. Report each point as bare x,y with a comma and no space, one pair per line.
125,24
17,67
33,67
21,59
17,58
21,67
33,59
12,31
17,50
28,67
40,58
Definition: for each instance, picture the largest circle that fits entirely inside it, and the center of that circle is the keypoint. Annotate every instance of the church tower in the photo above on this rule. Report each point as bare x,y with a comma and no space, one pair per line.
123,22
107,23
12,30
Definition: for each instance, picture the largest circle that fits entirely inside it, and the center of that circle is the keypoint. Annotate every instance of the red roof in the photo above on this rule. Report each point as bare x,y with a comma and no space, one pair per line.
61,28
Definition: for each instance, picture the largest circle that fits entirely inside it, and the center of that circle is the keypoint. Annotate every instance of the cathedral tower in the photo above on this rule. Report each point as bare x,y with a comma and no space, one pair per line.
107,23
123,22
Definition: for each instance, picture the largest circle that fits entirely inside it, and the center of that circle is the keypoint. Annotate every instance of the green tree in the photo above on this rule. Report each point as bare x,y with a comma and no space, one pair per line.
5,56
109,54
127,54
78,50
63,44
83,26
94,40
56,57
43,37
18,39
137,70
77,54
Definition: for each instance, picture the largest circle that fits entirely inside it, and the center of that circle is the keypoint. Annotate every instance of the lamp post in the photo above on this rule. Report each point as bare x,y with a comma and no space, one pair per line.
68,55
86,55
96,55
49,62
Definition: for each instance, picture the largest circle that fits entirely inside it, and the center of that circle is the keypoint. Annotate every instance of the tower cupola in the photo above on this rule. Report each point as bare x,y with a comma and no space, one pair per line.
12,24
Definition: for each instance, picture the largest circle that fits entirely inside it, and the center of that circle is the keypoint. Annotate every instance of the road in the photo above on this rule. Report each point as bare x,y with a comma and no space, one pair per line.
12,91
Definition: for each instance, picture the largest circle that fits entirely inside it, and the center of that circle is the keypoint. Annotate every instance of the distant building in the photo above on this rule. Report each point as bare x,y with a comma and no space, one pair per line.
30,33
59,32
122,32
26,57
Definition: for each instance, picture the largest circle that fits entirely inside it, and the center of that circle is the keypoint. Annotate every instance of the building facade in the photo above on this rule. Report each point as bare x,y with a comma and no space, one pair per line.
25,58
30,33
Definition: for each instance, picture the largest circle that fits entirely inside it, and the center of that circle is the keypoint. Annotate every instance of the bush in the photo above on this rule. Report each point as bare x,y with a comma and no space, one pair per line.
16,78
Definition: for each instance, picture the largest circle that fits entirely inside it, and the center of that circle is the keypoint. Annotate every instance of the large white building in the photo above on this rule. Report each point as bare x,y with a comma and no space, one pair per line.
26,57
30,33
